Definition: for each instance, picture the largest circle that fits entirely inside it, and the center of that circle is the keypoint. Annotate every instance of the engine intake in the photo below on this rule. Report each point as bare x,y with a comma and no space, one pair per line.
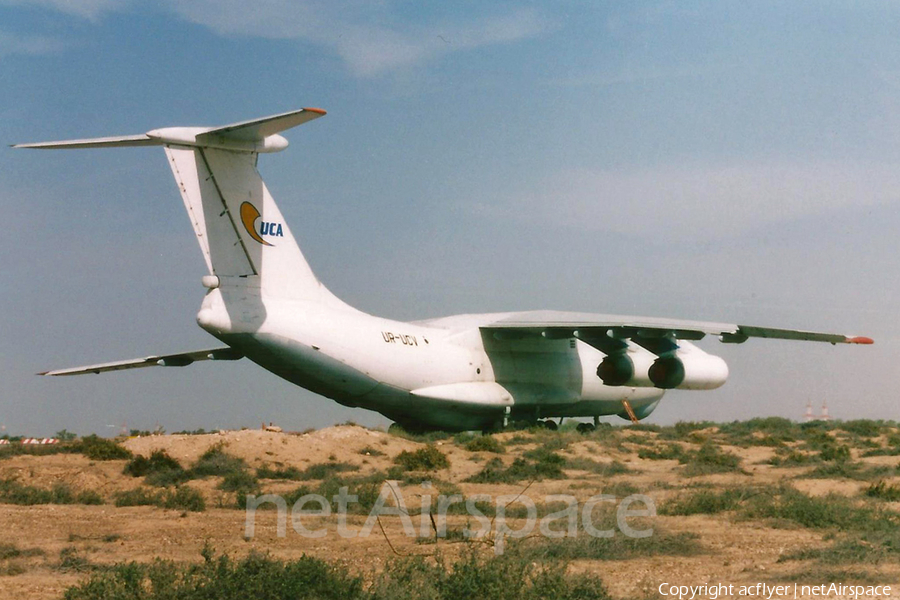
667,372
616,370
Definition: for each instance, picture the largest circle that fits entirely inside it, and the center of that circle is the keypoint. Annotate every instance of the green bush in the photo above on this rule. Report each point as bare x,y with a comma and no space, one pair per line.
847,469
709,459
159,460
243,482
181,497
547,465
864,428
609,469
702,502
884,491
485,443
667,452
828,512
184,498
834,452
790,458
215,462
617,547
291,473
428,458
325,470
71,561
98,448
8,551
14,492
507,577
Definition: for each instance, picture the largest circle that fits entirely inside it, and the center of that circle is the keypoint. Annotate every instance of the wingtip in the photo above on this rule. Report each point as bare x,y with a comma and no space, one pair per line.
860,340
315,110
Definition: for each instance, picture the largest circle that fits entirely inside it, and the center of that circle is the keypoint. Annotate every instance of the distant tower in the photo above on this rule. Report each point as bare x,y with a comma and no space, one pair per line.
824,416
809,413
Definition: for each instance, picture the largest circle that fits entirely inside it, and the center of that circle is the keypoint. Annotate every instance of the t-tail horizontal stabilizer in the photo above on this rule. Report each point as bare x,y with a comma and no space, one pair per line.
257,135
167,360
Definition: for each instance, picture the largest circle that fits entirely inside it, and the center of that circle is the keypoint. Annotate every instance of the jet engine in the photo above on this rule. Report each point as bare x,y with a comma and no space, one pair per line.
685,368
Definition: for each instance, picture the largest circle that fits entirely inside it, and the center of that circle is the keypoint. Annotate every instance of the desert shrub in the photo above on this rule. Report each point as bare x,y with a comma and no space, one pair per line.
776,426
869,547
239,481
883,491
423,437
428,458
365,488
640,427
827,512
200,431
617,547
683,429
485,443
292,473
325,470
71,561
11,450
667,452
182,498
544,465
609,469
506,577
847,469
709,459
883,451
8,551
139,496
89,497
790,458
215,462
834,452
14,492
864,428
702,502
159,460
98,448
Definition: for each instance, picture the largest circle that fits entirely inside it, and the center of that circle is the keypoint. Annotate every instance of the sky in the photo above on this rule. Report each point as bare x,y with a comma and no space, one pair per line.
725,161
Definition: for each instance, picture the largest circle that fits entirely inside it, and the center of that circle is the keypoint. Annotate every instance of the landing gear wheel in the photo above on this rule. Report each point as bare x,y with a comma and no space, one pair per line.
585,427
548,424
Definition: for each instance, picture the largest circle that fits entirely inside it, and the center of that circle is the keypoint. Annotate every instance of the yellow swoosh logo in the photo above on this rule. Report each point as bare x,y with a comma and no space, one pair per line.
249,215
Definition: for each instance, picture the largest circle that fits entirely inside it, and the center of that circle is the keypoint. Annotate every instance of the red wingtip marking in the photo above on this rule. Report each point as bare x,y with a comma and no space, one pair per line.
860,340
316,110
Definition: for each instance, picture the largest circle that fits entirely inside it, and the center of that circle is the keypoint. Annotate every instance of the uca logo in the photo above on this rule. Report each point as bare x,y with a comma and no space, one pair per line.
249,217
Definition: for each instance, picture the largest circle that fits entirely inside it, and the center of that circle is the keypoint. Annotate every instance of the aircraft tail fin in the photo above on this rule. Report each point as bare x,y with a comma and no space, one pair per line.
240,229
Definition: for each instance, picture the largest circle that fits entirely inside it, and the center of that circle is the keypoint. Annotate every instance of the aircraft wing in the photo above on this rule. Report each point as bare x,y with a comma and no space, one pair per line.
593,328
167,360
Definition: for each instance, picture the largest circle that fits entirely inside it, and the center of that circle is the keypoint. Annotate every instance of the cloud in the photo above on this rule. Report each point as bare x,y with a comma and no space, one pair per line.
86,9
371,38
704,202
368,36
13,43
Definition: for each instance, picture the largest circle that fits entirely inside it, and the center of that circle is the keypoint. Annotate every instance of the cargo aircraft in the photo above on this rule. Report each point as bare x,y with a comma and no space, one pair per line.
464,372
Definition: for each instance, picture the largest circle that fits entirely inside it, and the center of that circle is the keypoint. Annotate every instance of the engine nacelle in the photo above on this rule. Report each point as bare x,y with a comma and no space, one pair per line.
626,369
687,368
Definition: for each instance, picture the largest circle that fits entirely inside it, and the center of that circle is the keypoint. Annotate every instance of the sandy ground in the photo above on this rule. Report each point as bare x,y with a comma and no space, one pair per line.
735,551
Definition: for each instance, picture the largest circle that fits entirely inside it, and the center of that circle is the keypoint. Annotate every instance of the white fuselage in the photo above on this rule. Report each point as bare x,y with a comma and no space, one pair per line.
444,373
